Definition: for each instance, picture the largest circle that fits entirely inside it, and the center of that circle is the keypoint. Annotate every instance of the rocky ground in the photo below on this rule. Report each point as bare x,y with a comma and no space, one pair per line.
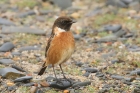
106,58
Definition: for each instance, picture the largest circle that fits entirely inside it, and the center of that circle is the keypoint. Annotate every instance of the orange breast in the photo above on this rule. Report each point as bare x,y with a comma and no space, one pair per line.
61,48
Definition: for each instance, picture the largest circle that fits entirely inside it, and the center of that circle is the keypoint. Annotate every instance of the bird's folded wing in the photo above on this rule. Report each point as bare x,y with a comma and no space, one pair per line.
48,44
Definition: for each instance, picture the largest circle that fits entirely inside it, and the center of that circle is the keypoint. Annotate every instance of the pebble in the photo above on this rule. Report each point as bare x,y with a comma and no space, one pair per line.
10,88
86,83
24,79
6,22
25,14
114,61
33,89
99,74
114,28
28,84
7,47
18,68
79,64
127,1
16,53
117,77
39,91
62,84
109,38
63,4
44,83
86,74
91,70
14,29
117,3
28,48
96,11
6,61
120,33
10,73
77,36
137,71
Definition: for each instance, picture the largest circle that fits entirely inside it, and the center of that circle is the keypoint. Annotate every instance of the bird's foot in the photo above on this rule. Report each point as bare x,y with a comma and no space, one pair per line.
68,80
58,81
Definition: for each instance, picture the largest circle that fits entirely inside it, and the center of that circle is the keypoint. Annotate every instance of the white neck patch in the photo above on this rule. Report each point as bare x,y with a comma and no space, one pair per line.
60,30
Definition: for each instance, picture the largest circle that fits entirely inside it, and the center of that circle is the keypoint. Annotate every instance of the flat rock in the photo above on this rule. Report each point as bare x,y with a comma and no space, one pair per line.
32,12
10,73
127,1
28,48
16,53
7,47
117,77
29,84
120,33
109,38
79,64
25,14
77,36
86,74
94,12
86,83
6,61
18,68
10,88
25,79
63,4
14,29
113,28
137,71
62,84
117,3
6,22
91,70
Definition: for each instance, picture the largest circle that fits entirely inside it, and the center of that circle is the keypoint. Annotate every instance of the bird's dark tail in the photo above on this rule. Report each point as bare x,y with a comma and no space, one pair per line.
42,70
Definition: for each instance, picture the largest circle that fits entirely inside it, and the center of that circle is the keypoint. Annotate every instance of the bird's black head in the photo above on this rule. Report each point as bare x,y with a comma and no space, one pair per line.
64,23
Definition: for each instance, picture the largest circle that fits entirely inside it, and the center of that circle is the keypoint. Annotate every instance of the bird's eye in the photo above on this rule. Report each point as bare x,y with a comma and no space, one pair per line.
62,21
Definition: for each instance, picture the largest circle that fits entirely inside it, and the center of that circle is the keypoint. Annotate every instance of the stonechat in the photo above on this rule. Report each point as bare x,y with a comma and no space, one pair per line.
61,44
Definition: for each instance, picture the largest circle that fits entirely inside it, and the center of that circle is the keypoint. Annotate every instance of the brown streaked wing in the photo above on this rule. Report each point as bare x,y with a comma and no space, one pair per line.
48,44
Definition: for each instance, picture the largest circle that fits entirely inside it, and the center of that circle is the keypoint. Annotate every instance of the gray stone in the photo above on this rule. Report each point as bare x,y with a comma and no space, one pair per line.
14,29
23,79
117,77
10,73
86,83
91,70
6,61
16,53
113,28
28,48
117,3
63,4
7,47
4,21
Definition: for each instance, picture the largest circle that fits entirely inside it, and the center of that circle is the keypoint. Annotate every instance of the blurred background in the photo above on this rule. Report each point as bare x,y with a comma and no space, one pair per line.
107,35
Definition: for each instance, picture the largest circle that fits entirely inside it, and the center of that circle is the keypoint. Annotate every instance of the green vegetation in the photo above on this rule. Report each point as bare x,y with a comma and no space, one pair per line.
26,3
103,19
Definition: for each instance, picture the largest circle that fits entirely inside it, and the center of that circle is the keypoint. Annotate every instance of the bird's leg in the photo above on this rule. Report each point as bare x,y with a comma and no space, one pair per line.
63,73
54,72
57,80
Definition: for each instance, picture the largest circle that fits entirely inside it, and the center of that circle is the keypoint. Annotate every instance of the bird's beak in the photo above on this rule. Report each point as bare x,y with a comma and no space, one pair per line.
73,21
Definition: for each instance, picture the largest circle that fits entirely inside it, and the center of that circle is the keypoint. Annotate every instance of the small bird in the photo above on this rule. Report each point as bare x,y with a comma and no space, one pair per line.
61,44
